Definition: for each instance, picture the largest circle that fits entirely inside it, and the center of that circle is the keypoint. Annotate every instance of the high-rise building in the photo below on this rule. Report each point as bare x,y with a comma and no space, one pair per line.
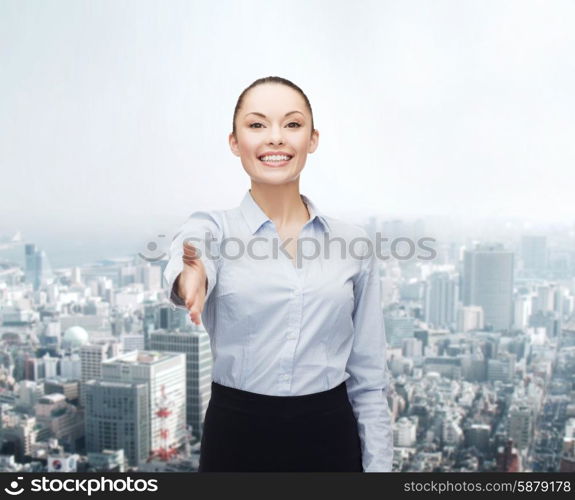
195,344
91,357
488,282
522,307
441,295
478,435
534,252
30,273
165,374
76,275
544,301
405,432
38,269
520,424
118,417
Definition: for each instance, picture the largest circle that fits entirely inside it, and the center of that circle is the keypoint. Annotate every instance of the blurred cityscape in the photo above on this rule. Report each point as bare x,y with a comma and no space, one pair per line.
99,372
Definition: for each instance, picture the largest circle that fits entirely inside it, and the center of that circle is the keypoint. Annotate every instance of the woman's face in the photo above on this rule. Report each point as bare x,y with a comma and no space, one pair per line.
276,132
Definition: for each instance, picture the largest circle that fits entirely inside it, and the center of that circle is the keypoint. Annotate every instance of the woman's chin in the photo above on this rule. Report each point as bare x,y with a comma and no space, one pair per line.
273,180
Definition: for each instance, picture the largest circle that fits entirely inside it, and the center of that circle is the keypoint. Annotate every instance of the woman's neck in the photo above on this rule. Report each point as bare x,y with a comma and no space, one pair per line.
281,203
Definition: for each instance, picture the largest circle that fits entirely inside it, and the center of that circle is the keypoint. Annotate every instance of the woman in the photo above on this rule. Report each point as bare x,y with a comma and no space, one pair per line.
296,332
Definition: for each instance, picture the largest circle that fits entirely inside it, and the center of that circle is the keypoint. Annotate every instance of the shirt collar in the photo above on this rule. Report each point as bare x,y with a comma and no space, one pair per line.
255,216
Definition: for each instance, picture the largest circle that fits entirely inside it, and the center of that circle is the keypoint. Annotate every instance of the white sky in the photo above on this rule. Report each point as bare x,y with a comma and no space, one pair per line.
118,111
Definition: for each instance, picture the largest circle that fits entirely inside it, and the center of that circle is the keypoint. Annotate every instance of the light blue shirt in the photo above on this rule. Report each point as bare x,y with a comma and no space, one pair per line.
281,329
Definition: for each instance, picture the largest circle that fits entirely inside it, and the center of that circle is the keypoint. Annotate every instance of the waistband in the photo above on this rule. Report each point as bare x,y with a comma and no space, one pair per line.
263,404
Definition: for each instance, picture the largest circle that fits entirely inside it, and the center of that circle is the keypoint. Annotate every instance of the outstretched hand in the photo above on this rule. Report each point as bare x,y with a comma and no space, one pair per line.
192,282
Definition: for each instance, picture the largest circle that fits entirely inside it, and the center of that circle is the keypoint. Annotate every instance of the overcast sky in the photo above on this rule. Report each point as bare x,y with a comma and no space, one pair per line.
118,111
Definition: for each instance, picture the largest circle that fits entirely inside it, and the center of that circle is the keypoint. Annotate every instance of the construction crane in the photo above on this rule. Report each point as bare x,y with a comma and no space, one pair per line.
163,410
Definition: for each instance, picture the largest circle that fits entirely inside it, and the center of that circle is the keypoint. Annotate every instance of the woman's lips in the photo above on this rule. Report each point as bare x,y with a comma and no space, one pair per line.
276,163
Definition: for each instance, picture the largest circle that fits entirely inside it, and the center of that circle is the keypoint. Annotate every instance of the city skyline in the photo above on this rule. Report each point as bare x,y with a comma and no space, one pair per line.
476,384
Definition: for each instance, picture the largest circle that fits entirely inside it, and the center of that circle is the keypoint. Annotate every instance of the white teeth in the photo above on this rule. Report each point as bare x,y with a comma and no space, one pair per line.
275,158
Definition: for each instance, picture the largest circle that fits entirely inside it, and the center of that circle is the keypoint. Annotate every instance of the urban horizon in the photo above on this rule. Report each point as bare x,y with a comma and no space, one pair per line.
495,367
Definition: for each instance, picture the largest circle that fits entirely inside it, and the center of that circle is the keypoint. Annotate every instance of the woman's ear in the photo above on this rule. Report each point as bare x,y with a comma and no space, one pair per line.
313,141
234,144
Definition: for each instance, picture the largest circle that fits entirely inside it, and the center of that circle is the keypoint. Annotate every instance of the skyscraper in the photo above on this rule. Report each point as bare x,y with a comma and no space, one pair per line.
534,252
165,374
118,417
520,424
195,343
91,357
441,293
38,269
488,282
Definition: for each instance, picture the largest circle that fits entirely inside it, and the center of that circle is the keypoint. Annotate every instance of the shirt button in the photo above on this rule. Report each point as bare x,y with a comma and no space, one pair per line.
296,293
284,376
291,335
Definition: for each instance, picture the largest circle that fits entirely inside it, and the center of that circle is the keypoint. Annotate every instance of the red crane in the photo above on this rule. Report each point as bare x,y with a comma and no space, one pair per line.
163,411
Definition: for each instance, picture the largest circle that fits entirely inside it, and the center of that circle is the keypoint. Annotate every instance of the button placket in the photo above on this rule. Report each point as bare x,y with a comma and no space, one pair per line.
293,330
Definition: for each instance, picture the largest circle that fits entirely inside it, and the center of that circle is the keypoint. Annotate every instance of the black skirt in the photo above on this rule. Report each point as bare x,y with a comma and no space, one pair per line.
249,432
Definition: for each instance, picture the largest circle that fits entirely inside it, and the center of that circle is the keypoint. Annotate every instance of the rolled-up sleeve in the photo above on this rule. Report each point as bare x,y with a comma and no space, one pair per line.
369,379
204,231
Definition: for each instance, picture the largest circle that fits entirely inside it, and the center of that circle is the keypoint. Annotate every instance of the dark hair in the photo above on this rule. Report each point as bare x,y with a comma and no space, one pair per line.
270,79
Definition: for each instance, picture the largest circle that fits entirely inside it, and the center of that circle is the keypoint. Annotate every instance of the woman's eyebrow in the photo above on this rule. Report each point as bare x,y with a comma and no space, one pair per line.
264,116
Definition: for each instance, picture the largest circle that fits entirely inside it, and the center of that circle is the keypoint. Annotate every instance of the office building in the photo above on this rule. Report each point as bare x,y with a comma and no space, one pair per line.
118,418
165,374
195,344
441,295
488,282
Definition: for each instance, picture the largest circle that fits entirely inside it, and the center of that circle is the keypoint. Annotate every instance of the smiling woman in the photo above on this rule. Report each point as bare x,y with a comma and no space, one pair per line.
299,374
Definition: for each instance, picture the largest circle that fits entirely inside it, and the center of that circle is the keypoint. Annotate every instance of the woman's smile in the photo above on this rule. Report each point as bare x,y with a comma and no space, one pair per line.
275,160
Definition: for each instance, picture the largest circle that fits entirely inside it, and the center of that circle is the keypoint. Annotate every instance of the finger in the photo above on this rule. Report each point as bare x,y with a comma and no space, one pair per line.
190,257
196,316
189,249
190,261
196,311
195,319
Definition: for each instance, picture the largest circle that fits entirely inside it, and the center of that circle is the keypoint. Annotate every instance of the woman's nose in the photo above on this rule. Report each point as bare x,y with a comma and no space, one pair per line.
276,135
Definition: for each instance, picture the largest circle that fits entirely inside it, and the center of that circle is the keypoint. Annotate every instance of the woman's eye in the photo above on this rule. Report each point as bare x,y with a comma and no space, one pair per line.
297,125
